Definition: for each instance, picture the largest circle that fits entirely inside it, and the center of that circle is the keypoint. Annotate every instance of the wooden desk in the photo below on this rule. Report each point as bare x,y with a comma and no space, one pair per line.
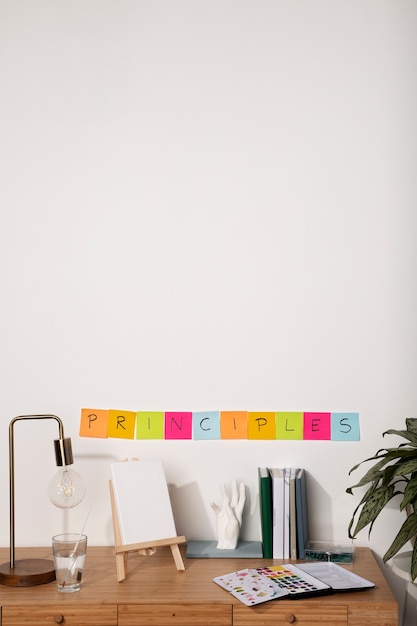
154,593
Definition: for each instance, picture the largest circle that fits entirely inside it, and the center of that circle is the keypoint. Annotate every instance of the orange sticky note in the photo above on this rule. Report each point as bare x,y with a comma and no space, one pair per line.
234,424
289,425
261,425
121,424
94,423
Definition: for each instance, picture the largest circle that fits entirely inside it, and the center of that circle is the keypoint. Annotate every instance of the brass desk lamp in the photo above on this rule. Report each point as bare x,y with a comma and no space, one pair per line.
66,490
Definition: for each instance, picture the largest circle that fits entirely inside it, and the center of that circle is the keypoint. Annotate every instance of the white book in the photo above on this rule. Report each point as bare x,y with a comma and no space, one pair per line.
293,516
277,475
142,500
287,534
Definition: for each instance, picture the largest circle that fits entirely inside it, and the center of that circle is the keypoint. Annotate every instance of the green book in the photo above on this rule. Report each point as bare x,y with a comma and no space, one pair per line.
302,511
265,509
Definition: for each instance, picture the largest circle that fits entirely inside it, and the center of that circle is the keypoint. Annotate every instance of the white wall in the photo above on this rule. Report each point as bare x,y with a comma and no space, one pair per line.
206,205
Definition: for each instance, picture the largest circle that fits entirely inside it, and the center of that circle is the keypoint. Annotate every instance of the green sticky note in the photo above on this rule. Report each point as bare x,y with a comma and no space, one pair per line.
150,424
289,424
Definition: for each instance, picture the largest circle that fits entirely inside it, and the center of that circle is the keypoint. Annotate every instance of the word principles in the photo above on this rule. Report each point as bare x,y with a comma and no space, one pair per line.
206,425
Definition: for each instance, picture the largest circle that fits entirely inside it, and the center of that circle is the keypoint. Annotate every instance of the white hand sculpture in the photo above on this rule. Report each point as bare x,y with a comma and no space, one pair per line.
229,516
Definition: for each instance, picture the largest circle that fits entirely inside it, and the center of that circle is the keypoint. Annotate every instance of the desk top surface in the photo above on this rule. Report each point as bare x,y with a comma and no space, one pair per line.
154,579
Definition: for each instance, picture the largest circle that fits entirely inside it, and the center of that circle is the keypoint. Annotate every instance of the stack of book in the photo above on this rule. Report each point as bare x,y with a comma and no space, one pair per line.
283,511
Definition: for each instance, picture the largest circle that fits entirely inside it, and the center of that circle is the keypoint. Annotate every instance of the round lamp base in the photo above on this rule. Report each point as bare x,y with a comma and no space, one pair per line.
27,573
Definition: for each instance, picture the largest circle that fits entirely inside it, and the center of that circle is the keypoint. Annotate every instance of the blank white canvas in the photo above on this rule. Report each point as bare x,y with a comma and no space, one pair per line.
142,501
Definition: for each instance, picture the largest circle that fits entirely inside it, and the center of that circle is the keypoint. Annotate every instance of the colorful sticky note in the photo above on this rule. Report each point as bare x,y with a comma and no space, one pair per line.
289,424
94,423
121,424
178,425
206,425
345,427
234,424
150,424
317,426
261,425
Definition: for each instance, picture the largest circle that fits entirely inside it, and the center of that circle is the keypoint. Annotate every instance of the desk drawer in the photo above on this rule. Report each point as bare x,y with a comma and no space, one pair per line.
81,615
276,614
175,615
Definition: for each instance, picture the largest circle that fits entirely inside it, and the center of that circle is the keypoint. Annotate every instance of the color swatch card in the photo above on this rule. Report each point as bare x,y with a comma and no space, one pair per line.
250,587
296,583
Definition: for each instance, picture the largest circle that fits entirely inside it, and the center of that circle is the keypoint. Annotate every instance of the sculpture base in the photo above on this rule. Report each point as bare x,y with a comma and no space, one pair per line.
27,573
208,550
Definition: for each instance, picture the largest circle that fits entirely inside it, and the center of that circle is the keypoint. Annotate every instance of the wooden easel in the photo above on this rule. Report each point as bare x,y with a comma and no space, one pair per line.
144,548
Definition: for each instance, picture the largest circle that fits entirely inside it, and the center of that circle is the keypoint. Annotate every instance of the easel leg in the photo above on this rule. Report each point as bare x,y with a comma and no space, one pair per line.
121,562
177,557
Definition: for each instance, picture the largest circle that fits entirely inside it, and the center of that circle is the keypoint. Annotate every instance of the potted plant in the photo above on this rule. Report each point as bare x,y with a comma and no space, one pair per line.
393,474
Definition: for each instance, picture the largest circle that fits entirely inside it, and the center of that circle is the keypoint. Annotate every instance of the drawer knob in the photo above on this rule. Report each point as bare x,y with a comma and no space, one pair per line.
290,618
59,618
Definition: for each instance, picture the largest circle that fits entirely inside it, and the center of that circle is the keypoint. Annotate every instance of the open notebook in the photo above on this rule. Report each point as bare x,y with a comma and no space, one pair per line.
255,585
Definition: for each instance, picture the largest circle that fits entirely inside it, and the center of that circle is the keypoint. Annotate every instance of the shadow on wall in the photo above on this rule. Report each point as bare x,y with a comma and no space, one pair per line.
200,515
320,528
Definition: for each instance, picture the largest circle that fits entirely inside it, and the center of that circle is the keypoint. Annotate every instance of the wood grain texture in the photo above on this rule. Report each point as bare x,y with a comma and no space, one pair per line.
161,596
295,613
83,615
175,615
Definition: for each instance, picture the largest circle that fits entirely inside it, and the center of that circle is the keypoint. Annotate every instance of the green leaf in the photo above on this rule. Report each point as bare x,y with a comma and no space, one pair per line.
366,497
401,468
411,424
373,506
377,456
372,475
410,492
406,532
406,434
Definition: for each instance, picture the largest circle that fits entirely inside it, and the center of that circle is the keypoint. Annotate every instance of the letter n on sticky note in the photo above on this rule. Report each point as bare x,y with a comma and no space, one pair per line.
94,423
234,424
121,424
178,425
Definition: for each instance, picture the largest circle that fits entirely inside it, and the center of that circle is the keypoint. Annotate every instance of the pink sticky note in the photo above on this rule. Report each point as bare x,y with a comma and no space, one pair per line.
178,425
317,426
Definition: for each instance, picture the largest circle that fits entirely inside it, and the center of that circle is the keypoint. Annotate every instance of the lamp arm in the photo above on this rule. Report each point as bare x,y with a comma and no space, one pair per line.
12,474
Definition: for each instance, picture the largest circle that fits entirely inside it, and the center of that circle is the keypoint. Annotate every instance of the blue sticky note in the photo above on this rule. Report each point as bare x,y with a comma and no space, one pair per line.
345,427
206,425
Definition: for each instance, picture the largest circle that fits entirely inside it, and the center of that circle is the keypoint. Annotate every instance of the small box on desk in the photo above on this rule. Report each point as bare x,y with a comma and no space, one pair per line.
329,551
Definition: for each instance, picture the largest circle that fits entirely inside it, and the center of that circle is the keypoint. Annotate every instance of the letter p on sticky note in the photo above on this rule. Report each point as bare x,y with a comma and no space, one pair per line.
94,423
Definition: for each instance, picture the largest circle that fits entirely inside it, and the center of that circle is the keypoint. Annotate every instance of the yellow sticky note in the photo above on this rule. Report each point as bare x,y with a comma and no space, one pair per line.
121,424
150,424
234,424
94,423
289,425
261,425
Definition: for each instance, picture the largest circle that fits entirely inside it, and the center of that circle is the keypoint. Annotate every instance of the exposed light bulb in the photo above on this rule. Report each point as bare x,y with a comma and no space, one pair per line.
66,488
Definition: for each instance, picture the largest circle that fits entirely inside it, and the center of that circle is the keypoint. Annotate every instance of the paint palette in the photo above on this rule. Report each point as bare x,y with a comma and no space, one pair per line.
296,583
253,586
250,586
